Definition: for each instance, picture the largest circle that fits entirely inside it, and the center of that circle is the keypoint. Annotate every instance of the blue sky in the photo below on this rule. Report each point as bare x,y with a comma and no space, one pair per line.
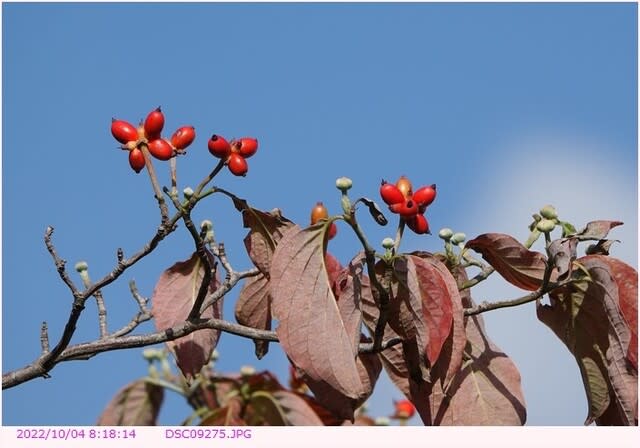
506,107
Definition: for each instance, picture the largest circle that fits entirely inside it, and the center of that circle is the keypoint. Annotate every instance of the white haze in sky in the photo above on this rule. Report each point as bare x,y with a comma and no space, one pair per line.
584,183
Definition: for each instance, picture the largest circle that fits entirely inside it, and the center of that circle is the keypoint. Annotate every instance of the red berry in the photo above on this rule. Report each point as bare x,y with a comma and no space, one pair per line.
219,147
390,193
333,230
153,124
160,149
407,209
405,187
248,146
424,196
237,165
404,409
318,213
183,137
419,224
123,131
136,159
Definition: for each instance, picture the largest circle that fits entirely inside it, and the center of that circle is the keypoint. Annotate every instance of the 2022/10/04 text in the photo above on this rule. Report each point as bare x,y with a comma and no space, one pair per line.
193,433
74,433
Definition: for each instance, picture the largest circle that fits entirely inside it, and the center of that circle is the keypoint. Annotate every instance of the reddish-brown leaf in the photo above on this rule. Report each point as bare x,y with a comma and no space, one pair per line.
253,309
518,265
266,229
436,297
173,297
228,415
340,405
597,230
136,404
626,279
403,362
310,328
296,410
487,390
587,317
563,253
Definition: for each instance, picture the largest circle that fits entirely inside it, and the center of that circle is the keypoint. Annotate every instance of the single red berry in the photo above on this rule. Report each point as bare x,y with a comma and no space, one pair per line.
183,137
318,213
405,187
123,131
404,409
333,230
419,224
424,196
219,147
153,124
247,146
136,159
407,209
160,149
237,165
390,193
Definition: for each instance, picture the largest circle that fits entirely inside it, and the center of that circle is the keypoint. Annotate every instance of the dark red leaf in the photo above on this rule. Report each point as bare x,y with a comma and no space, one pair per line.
253,309
518,265
173,297
137,404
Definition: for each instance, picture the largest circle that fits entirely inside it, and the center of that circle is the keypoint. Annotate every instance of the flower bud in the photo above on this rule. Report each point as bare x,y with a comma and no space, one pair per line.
545,225
445,234
388,243
549,212
458,238
81,266
344,184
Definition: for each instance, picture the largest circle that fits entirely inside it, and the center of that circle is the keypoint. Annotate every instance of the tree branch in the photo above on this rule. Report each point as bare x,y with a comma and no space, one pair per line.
90,349
488,306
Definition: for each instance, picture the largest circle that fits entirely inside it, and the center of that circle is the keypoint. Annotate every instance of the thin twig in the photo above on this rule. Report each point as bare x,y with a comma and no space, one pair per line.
142,316
59,262
488,306
44,338
486,272
164,211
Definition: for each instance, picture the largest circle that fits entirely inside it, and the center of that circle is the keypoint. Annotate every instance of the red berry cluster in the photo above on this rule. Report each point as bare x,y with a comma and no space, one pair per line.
149,135
408,204
318,213
234,153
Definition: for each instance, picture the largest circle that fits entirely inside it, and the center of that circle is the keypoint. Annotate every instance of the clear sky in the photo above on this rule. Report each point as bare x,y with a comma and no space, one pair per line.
506,107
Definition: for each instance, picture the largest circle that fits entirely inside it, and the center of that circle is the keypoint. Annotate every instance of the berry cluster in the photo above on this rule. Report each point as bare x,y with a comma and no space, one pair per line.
234,153
318,213
410,205
149,134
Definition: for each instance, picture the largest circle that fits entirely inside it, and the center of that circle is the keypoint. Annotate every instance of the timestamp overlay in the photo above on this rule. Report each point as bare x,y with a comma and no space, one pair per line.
311,437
